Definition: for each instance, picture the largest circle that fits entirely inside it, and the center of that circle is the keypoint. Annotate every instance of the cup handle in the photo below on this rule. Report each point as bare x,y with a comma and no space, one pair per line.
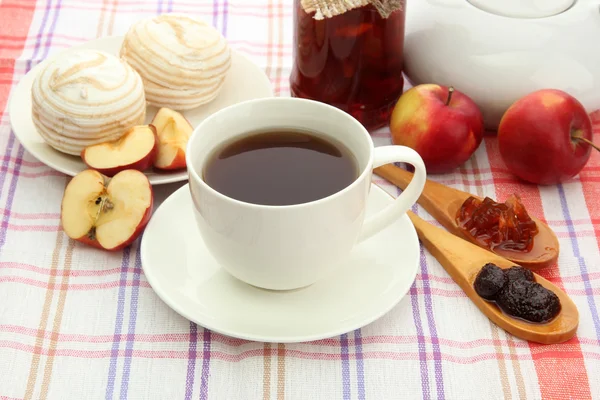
385,155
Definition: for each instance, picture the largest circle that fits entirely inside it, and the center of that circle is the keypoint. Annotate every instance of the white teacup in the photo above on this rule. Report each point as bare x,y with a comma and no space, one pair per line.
289,247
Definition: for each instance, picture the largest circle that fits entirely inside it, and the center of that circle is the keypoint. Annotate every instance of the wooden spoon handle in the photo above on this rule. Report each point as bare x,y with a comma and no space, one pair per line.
439,200
443,248
423,228
398,176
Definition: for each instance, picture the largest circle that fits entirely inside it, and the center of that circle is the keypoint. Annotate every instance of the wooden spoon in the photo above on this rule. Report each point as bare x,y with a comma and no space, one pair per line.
443,202
463,260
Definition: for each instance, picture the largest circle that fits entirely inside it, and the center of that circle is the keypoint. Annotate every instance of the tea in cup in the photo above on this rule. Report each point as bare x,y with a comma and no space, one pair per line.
280,187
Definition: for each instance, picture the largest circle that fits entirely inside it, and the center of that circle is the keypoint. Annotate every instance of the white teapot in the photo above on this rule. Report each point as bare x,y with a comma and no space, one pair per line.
496,51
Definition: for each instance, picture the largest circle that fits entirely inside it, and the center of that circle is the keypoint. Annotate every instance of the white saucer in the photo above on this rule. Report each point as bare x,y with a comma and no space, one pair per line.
183,274
245,81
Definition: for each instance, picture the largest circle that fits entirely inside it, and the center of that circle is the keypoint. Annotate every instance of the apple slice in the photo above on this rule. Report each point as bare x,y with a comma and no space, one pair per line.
136,149
107,213
174,131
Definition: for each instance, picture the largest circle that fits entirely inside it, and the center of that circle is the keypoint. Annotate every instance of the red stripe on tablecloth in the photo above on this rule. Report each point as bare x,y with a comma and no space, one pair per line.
333,343
35,216
54,228
33,228
15,23
575,222
439,279
24,163
448,293
560,375
72,272
298,354
246,10
31,175
64,40
71,286
136,3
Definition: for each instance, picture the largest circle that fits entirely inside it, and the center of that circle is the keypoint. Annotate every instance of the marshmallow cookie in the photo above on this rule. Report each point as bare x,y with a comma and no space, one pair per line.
183,61
86,97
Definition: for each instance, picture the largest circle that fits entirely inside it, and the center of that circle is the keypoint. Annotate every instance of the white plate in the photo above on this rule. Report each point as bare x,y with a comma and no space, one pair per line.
245,81
186,277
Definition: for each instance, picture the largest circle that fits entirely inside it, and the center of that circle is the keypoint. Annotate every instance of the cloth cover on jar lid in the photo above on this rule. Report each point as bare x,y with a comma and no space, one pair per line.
331,8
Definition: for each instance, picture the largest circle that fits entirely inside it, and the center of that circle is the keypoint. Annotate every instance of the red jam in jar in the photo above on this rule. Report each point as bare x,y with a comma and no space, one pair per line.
352,61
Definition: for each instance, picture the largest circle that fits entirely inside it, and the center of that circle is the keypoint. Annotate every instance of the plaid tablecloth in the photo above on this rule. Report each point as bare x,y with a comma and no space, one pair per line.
76,323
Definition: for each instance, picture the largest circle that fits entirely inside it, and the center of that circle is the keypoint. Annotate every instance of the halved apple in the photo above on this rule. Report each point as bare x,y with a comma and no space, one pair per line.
106,213
174,131
136,149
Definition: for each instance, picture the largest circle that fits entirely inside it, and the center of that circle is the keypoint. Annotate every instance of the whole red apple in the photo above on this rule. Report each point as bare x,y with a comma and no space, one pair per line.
545,137
443,125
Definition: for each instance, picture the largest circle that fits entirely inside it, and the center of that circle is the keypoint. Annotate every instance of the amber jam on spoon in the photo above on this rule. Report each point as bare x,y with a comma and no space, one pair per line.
505,226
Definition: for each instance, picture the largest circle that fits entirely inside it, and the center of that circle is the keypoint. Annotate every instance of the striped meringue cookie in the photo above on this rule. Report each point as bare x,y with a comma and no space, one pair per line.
86,97
183,61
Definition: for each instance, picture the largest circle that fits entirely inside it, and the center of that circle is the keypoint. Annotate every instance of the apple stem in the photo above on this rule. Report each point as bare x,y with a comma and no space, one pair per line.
450,91
587,141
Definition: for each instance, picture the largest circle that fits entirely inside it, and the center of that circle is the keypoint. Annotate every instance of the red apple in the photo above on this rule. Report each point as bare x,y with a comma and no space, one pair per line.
173,130
136,149
443,125
106,213
545,137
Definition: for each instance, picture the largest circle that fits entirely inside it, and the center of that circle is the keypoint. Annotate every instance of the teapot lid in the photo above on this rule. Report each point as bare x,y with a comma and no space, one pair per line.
523,8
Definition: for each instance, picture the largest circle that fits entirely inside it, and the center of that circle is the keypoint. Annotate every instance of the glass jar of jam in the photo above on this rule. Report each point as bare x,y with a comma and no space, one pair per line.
352,60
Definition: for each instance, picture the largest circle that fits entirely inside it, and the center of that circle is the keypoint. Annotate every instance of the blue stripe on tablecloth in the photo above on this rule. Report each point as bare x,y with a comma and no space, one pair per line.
133,306
345,366
360,367
428,299
112,370
414,299
191,368
205,365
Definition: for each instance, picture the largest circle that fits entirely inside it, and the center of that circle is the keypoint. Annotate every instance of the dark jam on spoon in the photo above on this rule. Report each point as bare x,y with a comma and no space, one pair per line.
516,293
505,226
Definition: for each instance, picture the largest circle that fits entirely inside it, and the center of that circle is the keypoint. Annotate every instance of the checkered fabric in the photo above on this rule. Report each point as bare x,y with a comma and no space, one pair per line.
77,323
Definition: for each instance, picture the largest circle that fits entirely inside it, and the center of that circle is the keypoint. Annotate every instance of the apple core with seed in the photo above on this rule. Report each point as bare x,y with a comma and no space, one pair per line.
107,213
